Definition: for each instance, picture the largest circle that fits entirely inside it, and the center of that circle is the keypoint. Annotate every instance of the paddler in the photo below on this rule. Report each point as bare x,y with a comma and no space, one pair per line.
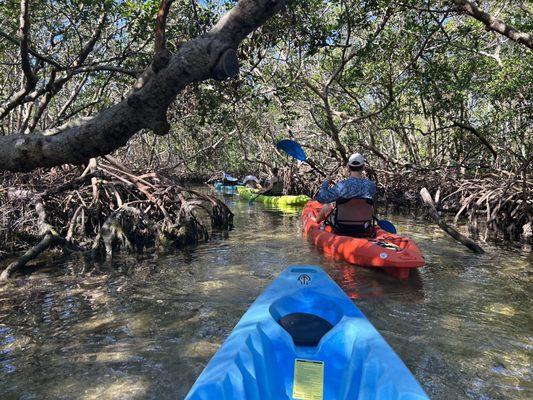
228,180
350,201
251,181
275,185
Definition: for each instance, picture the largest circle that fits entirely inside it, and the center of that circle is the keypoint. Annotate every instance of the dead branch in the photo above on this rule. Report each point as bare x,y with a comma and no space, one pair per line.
426,197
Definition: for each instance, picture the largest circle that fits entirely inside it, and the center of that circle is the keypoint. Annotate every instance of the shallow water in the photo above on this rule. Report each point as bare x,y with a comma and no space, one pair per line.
143,328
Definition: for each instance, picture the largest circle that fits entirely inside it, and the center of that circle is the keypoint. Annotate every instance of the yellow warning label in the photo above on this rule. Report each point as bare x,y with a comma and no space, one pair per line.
308,380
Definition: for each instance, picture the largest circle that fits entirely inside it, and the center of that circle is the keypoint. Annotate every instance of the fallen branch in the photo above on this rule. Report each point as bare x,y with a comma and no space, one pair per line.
426,197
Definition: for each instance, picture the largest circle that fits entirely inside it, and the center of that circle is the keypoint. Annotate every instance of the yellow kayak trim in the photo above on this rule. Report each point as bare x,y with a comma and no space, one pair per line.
247,193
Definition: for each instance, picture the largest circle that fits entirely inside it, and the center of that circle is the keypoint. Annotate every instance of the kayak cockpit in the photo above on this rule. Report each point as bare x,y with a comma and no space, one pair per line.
305,329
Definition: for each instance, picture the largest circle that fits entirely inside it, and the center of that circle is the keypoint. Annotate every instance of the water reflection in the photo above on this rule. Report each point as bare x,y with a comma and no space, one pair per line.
144,327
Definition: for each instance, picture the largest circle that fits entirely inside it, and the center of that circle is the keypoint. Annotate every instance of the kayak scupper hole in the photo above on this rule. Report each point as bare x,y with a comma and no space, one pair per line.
306,318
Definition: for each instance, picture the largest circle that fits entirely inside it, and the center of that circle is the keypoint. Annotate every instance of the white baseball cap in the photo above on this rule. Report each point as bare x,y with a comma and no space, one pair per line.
356,160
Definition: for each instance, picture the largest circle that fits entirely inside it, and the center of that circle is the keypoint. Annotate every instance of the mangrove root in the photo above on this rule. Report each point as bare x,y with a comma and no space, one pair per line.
47,241
104,208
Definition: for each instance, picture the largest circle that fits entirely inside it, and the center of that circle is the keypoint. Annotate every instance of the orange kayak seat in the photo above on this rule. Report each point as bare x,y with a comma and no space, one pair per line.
353,217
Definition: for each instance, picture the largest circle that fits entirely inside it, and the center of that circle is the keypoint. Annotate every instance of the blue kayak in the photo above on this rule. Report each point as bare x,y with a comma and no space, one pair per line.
226,189
303,338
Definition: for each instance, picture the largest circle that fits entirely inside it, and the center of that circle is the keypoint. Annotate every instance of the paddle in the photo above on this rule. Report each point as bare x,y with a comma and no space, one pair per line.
259,194
294,149
385,225
252,200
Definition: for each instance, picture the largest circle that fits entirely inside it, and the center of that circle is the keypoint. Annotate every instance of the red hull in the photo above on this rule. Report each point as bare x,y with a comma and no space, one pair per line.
395,254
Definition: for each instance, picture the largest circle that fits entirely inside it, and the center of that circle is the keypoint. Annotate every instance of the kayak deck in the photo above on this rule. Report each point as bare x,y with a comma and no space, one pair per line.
247,193
260,360
395,254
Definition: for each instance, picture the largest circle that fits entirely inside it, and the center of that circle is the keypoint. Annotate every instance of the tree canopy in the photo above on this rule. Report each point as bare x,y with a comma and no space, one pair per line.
412,83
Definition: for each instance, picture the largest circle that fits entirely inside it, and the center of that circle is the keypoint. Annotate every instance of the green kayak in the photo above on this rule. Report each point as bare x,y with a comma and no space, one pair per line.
249,194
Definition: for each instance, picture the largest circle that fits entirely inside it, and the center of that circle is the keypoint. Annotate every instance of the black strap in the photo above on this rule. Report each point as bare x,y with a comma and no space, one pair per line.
343,200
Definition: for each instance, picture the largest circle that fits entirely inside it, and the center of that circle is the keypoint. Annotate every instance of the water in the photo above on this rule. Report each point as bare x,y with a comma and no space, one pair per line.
143,328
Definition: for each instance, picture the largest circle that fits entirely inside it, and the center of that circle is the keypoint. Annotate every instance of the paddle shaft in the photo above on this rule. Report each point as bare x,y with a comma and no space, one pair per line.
259,194
323,174
252,200
313,166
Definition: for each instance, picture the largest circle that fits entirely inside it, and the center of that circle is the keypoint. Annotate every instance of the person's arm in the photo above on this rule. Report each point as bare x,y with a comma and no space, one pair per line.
270,185
328,194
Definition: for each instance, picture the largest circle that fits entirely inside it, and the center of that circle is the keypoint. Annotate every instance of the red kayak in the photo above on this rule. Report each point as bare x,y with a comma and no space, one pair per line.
395,254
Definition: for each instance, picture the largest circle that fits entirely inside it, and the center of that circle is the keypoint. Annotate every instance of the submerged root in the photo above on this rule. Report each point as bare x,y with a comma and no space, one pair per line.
32,253
454,233
117,230
104,209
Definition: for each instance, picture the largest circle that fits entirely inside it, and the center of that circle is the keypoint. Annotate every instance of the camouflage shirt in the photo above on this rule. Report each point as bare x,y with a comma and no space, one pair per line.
347,189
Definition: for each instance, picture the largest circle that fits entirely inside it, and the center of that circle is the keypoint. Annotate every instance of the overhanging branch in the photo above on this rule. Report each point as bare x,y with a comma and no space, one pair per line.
495,24
478,134
199,59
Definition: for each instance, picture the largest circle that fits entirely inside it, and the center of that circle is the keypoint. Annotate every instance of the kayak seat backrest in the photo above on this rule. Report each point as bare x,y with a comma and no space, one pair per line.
305,329
353,217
